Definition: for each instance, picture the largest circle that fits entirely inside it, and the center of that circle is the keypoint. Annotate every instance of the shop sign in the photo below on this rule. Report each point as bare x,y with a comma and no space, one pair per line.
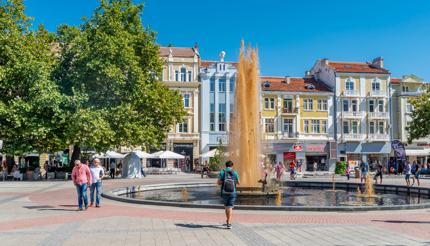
297,148
399,149
289,155
315,147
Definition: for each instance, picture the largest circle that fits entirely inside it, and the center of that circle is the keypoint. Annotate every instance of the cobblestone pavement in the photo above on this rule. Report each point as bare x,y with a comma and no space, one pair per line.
44,213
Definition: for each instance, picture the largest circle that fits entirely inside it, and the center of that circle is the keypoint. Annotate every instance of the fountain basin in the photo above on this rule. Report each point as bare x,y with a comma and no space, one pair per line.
296,196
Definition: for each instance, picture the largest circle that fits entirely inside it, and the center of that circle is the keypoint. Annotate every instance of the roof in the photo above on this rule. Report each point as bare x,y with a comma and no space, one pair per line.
178,52
295,84
208,63
356,67
395,80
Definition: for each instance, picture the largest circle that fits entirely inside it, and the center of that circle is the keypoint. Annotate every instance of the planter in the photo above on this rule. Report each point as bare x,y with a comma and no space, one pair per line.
60,175
29,175
213,174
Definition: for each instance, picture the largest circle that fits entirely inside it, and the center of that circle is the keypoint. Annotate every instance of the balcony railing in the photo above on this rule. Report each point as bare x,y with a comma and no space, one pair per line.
350,114
290,110
353,137
349,93
377,94
289,135
378,137
383,115
410,93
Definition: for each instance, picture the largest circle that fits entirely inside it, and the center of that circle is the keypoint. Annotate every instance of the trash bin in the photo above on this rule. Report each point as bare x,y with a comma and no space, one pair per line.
357,172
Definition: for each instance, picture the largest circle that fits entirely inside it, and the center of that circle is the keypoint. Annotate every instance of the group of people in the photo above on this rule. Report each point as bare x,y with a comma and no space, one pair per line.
85,177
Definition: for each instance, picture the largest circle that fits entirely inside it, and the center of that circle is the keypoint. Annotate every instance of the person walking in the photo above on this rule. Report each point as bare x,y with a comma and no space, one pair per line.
379,171
315,166
279,169
293,170
228,179
408,173
416,171
112,169
81,177
97,174
364,168
205,169
347,170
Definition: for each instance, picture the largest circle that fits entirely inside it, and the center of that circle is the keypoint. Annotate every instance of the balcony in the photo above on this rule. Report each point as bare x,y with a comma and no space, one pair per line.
353,137
349,93
290,110
379,115
377,94
410,93
378,137
286,135
351,114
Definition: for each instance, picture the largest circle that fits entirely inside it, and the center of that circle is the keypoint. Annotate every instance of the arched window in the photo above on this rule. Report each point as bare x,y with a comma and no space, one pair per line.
349,84
376,84
183,74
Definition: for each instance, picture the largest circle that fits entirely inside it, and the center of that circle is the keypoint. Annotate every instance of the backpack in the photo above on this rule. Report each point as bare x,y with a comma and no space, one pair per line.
229,182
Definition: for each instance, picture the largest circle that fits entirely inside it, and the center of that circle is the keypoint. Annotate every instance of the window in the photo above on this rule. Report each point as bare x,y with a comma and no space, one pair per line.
345,105
269,125
183,127
288,125
381,127
288,105
212,84
346,127
371,106
190,77
221,85
231,84
183,74
405,88
186,100
324,105
349,85
376,85
269,103
409,108
323,126
371,127
221,117
176,75
306,126
315,126
381,106
354,127
319,104
354,105
308,104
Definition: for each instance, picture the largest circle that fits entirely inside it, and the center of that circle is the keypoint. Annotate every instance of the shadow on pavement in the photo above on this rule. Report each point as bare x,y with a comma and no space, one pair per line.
403,221
197,226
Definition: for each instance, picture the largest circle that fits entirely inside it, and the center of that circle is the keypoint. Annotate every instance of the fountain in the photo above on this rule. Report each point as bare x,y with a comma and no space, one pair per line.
245,134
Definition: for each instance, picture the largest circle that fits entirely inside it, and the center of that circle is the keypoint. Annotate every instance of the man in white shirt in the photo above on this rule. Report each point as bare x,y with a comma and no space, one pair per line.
97,173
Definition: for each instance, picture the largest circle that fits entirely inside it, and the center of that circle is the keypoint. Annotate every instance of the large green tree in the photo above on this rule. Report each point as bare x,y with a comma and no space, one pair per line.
420,125
110,68
30,102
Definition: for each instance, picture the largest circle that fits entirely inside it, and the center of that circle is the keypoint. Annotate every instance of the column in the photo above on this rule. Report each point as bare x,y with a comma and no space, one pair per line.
196,111
216,103
227,102
278,118
296,126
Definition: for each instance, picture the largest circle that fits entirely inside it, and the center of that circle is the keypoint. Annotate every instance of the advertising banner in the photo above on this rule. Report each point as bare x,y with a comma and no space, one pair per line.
399,149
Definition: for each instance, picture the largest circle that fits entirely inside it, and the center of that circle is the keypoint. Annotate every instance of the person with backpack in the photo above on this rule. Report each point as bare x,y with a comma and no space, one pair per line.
228,179
364,168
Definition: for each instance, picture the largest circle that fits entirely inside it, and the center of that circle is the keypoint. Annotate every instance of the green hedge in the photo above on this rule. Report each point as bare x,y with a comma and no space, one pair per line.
340,167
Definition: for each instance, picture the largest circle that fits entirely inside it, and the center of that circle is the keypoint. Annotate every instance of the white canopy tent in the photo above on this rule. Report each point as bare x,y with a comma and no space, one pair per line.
417,152
209,154
166,155
109,155
142,154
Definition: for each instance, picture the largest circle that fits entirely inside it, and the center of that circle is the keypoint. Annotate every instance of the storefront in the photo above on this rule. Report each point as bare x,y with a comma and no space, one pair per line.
372,153
316,153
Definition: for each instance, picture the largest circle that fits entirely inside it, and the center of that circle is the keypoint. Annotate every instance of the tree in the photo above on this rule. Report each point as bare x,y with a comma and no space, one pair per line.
31,116
216,162
110,68
419,127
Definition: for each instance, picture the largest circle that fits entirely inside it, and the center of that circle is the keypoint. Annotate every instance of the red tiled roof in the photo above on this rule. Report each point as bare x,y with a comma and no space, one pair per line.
295,85
395,80
208,63
356,67
179,52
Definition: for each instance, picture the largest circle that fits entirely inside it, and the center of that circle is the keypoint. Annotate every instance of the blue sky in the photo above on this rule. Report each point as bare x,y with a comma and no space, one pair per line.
289,34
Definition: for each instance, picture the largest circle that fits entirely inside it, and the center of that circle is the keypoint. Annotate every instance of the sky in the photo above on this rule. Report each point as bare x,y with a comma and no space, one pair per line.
290,34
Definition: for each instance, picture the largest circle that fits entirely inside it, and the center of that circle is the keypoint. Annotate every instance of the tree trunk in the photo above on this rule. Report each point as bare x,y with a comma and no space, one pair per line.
76,154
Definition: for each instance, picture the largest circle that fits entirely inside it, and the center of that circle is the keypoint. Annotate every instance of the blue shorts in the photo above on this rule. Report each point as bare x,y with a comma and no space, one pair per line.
229,200
417,175
407,176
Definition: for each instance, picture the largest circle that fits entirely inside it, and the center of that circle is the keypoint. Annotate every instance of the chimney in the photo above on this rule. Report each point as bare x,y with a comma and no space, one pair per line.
287,80
324,62
378,62
196,47
221,56
308,74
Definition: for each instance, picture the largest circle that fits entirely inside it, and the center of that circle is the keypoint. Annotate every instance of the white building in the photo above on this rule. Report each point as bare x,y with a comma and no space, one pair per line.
217,80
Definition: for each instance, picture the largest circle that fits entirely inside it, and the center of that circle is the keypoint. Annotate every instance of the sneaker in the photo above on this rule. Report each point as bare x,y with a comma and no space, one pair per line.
91,204
229,226
80,209
97,206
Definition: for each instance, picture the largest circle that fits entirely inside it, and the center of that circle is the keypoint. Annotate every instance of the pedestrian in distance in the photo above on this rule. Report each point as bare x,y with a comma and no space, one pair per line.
364,168
112,169
97,174
347,170
315,167
228,179
279,169
407,171
205,169
416,171
142,168
379,171
293,170
81,177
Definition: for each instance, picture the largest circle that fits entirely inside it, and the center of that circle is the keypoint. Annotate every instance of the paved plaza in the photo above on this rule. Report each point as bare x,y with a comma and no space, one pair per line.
44,213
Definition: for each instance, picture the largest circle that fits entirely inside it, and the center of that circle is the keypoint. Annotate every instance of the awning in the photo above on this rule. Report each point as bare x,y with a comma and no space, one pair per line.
166,155
417,152
366,148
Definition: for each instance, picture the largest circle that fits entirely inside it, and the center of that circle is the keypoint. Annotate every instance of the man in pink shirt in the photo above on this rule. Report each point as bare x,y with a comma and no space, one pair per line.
81,177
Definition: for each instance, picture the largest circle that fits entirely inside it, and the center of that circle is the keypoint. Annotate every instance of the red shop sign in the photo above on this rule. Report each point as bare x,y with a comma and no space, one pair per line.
289,155
297,147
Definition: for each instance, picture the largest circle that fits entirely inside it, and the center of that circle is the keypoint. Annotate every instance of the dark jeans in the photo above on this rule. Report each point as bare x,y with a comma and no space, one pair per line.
97,187
82,195
112,173
143,172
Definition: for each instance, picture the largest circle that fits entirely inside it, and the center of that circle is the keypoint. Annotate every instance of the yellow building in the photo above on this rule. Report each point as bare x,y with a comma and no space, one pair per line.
180,72
297,121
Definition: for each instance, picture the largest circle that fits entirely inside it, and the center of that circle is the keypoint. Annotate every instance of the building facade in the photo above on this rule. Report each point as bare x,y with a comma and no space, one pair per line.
362,108
297,122
402,90
181,73
217,101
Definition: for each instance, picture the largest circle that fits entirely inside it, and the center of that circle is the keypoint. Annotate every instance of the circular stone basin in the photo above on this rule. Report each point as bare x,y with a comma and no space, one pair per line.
289,198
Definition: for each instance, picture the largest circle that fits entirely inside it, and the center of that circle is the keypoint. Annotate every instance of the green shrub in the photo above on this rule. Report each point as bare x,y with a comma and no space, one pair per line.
340,167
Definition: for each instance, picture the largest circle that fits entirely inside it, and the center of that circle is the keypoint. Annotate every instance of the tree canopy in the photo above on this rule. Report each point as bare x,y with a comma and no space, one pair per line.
419,127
